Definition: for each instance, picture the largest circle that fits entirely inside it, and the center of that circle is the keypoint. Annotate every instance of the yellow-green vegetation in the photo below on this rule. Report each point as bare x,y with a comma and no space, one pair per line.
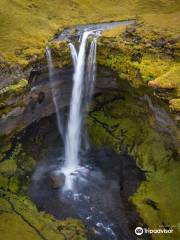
21,220
26,26
175,104
157,200
129,125
60,53
170,81
144,57
15,88
8,167
139,54
5,146
15,167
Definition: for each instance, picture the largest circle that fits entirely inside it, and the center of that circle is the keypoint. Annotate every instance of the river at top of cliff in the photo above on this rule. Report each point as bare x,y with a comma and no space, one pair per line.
79,29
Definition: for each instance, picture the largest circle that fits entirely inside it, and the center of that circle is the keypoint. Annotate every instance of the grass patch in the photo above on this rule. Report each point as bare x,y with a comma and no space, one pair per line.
161,188
26,26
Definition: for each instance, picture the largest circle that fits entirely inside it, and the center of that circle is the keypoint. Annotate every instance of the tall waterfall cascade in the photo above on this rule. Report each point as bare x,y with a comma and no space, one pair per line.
83,82
84,64
72,179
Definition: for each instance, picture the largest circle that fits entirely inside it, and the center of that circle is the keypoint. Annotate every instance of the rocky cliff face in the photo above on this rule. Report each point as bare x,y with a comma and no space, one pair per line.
30,100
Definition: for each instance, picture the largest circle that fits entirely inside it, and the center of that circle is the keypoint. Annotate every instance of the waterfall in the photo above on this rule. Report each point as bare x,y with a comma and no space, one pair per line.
73,136
73,54
89,85
91,72
54,91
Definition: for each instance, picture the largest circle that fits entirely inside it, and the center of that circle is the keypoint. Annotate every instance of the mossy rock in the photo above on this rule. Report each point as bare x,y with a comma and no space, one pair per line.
8,167
61,53
4,181
129,125
169,80
175,104
15,88
157,200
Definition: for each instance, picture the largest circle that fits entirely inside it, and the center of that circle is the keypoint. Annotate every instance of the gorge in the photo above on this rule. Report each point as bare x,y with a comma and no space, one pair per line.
89,120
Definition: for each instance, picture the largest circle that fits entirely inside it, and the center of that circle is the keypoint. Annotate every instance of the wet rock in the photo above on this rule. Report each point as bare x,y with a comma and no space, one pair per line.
129,32
36,101
159,43
35,72
56,179
41,97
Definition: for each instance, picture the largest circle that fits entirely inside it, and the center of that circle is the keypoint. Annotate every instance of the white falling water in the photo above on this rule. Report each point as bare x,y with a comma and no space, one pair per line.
73,54
89,85
73,136
54,91
91,71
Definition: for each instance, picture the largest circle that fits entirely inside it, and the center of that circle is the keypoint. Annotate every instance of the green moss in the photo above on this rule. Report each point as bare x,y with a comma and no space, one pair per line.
8,167
19,217
128,125
153,66
175,104
136,55
161,188
14,170
154,152
169,80
61,53
14,184
98,135
139,62
5,110
4,182
15,88
6,146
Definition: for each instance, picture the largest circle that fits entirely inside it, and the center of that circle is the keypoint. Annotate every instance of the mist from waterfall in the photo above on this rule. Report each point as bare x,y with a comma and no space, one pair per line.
54,91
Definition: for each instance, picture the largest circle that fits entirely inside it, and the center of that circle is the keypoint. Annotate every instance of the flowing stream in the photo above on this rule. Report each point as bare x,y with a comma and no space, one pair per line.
73,54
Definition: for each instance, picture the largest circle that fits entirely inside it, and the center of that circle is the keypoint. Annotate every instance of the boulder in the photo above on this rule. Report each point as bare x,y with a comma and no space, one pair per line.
56,179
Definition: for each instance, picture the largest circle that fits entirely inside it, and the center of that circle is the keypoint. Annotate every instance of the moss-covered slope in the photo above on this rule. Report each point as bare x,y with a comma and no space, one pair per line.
125,123
145,57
